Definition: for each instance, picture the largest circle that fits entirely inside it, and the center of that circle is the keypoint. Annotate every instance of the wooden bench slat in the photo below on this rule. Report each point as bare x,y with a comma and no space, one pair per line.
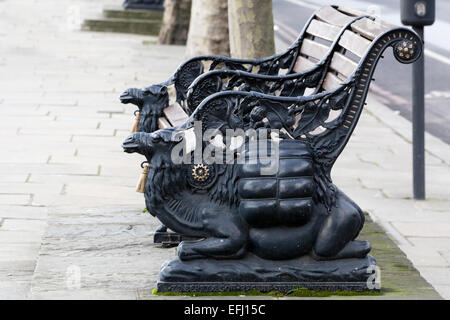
333,16
342,64
303,64
323,30
331,81
354,43
178,122
175,114
314,49
367,27
370,28
352,12
163,123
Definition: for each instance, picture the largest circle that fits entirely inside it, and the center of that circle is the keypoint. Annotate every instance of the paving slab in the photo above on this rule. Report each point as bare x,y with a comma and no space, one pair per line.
23,225
20,237
423,229
15,198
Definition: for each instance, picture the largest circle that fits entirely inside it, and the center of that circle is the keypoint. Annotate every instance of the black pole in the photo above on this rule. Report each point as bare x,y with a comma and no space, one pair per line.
418,117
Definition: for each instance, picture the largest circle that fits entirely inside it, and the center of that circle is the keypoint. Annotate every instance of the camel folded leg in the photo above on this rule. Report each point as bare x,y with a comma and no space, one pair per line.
341,227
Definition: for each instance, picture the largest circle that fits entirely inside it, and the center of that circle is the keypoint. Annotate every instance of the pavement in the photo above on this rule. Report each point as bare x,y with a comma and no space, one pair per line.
71,223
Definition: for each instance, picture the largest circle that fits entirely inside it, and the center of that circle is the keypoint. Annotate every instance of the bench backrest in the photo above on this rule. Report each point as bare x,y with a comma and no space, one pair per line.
324,29
349,33
327,118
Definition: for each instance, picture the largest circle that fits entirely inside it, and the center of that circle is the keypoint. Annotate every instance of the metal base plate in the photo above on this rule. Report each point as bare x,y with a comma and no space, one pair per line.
254,273
283,287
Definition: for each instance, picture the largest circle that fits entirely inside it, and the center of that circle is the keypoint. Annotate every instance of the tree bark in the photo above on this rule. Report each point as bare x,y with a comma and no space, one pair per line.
251,28
208,30
175,25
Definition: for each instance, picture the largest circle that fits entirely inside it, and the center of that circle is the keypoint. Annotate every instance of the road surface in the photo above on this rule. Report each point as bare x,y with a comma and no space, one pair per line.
392,84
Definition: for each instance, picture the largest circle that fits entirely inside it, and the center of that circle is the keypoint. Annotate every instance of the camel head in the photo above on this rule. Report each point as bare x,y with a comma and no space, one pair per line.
134,96
156,144
151,101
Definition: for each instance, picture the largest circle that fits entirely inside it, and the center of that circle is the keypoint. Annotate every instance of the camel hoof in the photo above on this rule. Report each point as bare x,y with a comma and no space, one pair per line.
353,249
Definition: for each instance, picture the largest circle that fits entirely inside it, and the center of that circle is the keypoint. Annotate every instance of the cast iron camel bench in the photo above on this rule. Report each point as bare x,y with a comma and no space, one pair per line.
326,73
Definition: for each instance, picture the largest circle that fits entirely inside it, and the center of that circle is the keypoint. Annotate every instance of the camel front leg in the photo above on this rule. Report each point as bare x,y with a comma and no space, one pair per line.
228,240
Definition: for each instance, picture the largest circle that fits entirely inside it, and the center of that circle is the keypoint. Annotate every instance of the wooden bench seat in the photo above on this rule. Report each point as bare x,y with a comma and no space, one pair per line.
175,114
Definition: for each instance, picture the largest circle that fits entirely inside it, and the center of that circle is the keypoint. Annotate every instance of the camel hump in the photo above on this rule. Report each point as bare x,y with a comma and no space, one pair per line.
284,196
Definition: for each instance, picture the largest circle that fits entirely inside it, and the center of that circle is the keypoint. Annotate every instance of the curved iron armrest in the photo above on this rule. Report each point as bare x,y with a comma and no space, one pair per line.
325,120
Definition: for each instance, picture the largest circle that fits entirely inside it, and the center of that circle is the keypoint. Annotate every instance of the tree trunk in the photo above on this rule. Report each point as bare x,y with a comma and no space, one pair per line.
175,25
251,28
208,30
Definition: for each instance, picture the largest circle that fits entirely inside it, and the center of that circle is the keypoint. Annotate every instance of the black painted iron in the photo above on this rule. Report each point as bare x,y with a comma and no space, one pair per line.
250,225
418,124
144,4
150,102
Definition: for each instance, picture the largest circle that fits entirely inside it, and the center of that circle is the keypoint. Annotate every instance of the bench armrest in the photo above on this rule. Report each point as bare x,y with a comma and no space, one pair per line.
315,118
280,112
